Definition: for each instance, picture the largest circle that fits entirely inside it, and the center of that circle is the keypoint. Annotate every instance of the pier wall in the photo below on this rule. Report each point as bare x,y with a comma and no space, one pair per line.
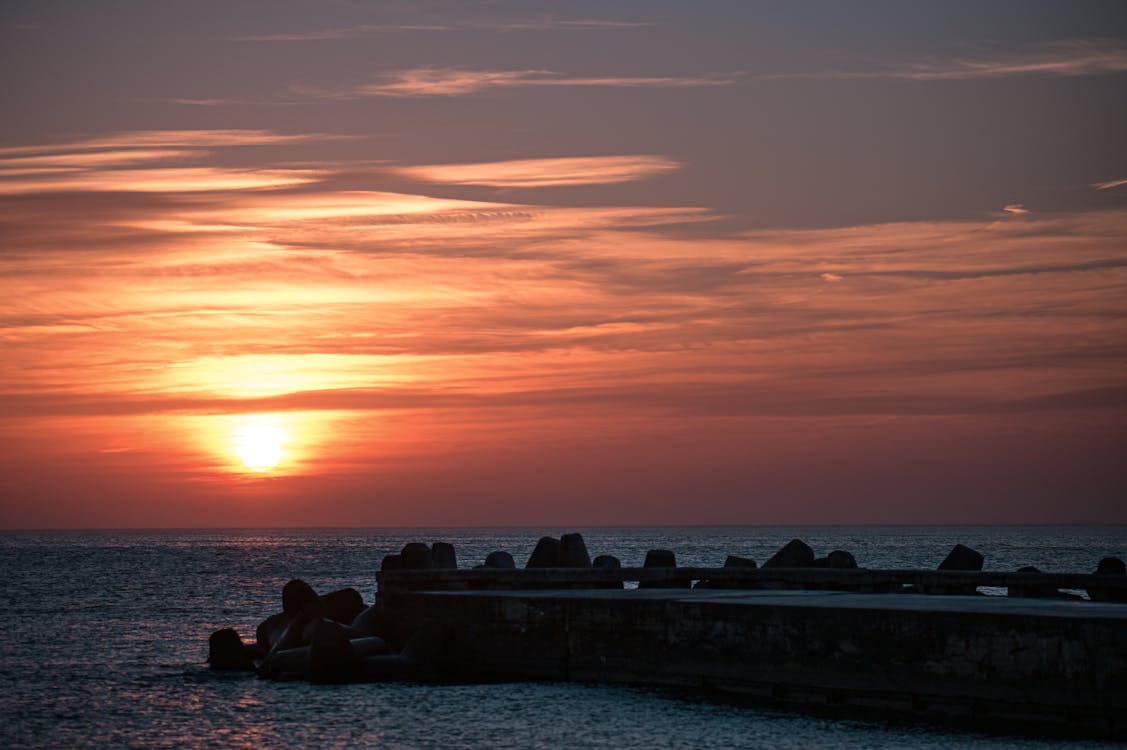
984,659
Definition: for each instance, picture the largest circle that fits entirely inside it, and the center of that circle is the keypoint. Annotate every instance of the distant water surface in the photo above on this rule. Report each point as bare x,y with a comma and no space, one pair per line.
106,637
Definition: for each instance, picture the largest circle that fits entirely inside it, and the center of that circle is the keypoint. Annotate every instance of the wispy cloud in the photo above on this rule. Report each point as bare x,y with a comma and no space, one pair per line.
366,30
455,81
1110,184
316,299
1015,209
588,170
346,32
174,138
172,180
88,159
1065,59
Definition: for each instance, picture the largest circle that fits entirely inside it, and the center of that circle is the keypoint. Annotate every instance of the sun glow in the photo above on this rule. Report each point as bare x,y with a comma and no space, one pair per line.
259,445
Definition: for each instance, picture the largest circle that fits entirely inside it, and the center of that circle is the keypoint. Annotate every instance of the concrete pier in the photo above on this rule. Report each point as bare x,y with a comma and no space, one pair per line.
1042,664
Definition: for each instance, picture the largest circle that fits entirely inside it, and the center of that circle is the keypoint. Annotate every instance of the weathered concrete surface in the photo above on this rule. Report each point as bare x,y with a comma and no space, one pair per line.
1043,663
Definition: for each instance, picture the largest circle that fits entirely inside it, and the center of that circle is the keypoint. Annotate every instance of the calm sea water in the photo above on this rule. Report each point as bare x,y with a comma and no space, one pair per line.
105,637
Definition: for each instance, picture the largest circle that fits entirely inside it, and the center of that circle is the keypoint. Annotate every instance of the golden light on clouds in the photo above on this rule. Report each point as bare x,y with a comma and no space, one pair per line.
228,331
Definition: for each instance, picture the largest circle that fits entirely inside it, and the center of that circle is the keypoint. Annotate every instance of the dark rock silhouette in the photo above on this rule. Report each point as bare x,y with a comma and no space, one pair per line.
331,656
1108,566
609,562
962,558
499,559
225,651
391,562
295,595
270,630
841,559
1031,590
287,664
662,558
368,622
416,556
1111,566
443,556
731,561
794,554
546,554
343,605
370,646
300,629
573,552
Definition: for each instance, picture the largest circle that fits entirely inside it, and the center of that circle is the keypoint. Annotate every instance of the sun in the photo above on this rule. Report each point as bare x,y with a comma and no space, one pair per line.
259,445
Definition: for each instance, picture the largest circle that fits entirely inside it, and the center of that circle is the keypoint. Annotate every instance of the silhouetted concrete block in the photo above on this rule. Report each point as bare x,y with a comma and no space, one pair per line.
225,651
573,552
662,558
295,595
415,556
607,561
546,554
794,554
331,656
1109,566
499,559
343,605
443,556
270,630
962,558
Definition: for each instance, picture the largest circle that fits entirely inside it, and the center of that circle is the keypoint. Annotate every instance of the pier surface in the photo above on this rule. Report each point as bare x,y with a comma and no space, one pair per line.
1040,664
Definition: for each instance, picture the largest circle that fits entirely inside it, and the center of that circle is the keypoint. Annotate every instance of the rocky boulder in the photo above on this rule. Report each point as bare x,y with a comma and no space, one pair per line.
416,556
331,656
546,554
343,605
295,595
443,556
573,552
225,651
794,554
499,559
270,630
662,558
962,558
1109,566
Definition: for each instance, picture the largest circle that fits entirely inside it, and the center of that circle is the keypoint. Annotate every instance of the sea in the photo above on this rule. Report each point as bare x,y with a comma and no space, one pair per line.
105,641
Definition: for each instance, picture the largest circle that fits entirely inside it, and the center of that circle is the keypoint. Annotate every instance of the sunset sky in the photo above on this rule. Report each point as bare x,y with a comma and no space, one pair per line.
349,263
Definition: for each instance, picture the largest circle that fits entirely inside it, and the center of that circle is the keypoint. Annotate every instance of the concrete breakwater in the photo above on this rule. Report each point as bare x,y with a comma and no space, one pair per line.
910,643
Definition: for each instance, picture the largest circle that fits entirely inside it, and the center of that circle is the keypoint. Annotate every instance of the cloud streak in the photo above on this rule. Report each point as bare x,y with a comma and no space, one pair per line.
1110,184
421,82
591,170
174,139
1069,59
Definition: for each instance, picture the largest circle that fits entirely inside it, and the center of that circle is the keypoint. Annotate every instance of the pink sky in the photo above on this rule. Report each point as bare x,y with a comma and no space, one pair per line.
501,265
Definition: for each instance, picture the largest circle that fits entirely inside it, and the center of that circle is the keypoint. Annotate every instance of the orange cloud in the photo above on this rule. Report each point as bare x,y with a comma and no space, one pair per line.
172,180
1071,58
589,170
1110,184
390,329
174,138
454,82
